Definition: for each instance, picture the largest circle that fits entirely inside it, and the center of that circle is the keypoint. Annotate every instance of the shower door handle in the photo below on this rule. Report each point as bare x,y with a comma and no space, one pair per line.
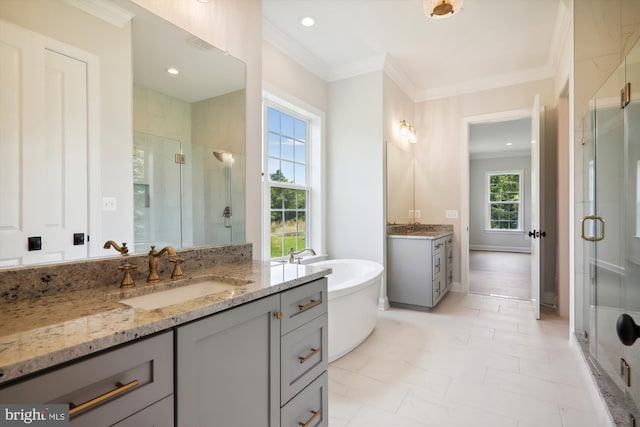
592,218
627,329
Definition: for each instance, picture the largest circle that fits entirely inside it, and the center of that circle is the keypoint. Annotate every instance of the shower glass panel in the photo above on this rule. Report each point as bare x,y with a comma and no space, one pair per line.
613,169
156,192
186,195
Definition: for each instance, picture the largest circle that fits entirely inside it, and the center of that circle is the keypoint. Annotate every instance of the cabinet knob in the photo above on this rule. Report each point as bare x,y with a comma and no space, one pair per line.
278,315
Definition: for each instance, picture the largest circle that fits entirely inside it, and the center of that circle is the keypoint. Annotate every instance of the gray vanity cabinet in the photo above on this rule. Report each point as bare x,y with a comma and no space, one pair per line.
228,367
418,271
130,385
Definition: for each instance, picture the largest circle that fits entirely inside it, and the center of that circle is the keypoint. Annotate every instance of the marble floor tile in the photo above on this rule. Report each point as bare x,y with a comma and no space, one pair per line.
472,361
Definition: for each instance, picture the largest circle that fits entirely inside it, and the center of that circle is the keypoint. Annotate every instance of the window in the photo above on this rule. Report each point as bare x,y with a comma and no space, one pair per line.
504,196
287,154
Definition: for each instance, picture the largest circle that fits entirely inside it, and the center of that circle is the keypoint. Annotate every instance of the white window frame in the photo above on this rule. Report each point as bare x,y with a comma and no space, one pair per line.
487,198
314,182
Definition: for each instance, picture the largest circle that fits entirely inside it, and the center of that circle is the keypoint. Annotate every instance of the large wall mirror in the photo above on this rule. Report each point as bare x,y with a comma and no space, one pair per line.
400,182
115,125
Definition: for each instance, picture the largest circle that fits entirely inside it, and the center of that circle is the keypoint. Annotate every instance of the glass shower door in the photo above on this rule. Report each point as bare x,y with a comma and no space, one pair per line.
631,357
602,228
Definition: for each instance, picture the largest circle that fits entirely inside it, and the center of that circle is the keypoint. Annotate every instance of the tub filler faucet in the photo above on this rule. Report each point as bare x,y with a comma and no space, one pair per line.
292,254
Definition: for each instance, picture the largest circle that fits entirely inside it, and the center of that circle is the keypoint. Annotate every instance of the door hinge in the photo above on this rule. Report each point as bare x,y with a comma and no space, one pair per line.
180,158
625,372
625,95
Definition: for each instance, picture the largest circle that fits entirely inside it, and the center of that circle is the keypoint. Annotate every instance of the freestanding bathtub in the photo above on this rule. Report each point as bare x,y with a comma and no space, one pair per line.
354,288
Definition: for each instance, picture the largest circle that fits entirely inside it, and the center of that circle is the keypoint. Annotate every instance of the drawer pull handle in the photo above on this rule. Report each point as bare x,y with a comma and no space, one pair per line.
308,305
310,420
314,351
89,403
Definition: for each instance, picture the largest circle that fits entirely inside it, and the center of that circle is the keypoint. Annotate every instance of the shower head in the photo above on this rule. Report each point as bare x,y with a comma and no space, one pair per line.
223,156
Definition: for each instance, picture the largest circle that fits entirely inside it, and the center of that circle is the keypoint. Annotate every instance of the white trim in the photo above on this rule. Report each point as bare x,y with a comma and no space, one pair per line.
104,10
500,154
315,166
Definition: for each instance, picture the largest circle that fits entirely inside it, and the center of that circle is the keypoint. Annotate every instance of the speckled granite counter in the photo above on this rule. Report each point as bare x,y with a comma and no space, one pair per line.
38,333
419,231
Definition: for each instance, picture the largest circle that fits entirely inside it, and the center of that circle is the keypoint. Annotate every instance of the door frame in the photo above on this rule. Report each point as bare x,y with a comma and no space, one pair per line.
465,123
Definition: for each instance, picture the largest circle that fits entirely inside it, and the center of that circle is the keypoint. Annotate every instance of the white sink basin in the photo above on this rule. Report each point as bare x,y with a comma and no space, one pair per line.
178,295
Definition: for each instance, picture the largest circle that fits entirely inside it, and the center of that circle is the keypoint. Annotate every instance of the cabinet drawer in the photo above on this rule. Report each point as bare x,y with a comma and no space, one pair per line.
302,304
439,288
439,264
303,356
145,366
160,414
309,408
439,246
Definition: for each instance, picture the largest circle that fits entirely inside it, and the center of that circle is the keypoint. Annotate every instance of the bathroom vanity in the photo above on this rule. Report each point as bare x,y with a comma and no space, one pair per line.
419,265
254,354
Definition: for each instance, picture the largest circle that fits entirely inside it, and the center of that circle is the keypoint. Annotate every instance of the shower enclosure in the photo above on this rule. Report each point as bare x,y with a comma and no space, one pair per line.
611,229
186,195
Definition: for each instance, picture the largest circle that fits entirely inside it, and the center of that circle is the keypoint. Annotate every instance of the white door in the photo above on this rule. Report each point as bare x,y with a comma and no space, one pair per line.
535,232
43,144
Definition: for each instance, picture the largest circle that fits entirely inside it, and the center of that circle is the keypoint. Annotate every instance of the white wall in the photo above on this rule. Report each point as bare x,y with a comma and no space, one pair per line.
479,237
355,181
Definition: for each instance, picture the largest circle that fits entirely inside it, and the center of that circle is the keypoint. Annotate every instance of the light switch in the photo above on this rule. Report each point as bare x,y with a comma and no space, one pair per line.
452,214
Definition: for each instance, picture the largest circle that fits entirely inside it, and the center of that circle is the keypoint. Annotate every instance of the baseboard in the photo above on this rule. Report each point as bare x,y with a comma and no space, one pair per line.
499,249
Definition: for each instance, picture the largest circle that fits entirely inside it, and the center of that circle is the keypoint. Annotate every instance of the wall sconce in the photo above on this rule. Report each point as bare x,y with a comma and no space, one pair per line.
407,131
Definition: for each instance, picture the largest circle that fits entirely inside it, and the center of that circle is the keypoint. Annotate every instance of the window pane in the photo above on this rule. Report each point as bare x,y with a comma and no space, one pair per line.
301,199
287,171
277,247
302,225
301,177
300,132
289,198
276,222
274,144
301,240
286,125
287,148
273,120
274,170
300,152
276,198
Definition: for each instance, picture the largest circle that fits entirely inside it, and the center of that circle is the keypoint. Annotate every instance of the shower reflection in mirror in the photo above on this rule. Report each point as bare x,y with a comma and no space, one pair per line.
183,193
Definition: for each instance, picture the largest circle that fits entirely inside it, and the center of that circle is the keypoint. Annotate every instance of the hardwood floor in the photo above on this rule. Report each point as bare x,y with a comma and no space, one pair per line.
505,274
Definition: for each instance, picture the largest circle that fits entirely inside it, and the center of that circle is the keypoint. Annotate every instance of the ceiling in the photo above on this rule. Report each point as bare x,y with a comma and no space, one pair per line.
490,139
490,43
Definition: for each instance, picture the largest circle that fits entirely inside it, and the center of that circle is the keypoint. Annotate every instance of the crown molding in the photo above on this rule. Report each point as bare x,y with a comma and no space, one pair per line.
396,74
104,10
500,154
294,50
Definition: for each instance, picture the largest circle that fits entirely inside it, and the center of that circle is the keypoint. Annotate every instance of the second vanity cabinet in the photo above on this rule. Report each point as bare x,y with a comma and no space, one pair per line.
248,365
419,270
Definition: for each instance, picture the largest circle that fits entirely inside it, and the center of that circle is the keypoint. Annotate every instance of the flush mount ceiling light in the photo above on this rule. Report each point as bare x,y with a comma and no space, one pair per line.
438,9
173,71
307,21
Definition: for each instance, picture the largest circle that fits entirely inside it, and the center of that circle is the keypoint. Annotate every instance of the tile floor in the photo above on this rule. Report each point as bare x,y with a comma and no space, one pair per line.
500,274
472,361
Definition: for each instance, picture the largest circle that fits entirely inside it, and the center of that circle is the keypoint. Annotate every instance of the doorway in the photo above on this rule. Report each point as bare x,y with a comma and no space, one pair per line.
500,201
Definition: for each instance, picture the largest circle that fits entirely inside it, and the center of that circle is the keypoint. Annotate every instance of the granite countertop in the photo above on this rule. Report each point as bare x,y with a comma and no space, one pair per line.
419,231
44,332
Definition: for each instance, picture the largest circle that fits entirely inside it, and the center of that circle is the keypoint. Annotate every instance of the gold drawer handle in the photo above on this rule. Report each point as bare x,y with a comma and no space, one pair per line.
89,403
310,304
310,420
314,351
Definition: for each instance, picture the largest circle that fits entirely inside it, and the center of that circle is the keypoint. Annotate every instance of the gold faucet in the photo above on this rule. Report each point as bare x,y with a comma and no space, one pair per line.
111,244
153,261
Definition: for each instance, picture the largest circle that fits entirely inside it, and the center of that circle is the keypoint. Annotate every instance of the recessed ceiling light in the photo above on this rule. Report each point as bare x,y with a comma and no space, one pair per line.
173,71
509,144
307,21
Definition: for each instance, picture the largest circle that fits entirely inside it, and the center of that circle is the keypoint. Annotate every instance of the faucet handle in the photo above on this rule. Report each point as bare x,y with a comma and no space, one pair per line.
127,280
177,271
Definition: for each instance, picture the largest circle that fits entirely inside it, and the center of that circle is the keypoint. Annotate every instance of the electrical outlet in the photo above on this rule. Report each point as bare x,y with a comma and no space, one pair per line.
109,204
412,214
452,214
417,214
